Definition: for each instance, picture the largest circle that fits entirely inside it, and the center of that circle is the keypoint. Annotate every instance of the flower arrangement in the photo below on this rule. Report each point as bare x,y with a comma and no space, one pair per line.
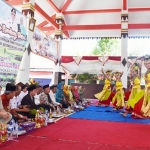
32,81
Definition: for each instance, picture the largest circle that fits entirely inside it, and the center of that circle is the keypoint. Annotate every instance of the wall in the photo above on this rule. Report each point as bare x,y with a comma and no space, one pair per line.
91,89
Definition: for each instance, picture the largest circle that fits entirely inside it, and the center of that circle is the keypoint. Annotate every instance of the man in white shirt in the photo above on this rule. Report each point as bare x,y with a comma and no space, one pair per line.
15,106
37,96
24,91
11,22
52,94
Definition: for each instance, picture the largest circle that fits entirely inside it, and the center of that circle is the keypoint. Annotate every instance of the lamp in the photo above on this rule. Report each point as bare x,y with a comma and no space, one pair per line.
58,35
59,18
60,21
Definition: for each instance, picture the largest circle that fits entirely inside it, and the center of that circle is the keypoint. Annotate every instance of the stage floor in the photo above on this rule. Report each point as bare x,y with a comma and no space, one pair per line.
85,134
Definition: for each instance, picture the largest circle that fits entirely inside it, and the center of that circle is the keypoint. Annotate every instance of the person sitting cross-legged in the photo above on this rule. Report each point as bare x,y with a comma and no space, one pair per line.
15,107
6,98
28,101
60,98
45,98
38,101
53,90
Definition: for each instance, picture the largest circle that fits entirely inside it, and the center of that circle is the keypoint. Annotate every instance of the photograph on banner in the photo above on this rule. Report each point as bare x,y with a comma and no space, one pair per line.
44,45
13,39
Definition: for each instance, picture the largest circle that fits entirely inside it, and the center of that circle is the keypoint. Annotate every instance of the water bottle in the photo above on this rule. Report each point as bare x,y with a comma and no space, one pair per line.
15,131
11,129
46,117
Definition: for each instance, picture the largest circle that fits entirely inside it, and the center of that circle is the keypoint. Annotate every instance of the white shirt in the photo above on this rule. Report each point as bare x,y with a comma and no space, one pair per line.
22,94
53,98
12,24
37,99
14,102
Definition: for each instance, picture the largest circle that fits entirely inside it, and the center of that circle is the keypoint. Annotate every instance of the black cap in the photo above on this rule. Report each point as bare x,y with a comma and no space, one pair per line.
10,87
31,87
46,86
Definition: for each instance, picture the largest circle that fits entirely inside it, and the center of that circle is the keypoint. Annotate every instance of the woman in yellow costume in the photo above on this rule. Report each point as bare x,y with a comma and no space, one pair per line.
146,103
67,95
118,99
104,96
71,95
136,89
141,106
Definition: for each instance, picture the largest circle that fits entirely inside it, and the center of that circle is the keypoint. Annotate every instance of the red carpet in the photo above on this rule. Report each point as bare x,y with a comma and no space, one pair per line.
86,134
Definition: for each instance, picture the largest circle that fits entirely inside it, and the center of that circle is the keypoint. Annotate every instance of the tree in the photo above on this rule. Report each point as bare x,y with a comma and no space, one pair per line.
107,47
85,77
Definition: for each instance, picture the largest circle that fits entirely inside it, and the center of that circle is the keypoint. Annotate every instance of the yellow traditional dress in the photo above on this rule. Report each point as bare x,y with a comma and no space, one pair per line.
118,99
104,95
136,88
146,103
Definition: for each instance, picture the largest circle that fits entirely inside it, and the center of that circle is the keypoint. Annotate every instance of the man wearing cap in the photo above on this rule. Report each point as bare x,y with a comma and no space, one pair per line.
9,94
45,97
29,101
53,90
12,21
16,109
5,116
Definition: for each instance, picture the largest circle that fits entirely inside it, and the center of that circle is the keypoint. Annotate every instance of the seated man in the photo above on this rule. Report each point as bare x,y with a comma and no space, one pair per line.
24,91
29,102
45,97
6,97
16,108
38,101
8,94
5,117
38,94
53,90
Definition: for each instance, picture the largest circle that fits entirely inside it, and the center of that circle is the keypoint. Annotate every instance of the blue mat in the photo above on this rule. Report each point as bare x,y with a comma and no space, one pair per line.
105,114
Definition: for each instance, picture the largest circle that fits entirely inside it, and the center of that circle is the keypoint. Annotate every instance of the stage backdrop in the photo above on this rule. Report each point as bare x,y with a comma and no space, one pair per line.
44,45
13,39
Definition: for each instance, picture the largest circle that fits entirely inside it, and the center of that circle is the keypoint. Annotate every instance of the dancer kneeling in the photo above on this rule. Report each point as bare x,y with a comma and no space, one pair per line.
104,95
118,99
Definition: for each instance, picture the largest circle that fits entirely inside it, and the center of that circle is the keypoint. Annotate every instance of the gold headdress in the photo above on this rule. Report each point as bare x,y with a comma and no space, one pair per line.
108,71
117,73
136,66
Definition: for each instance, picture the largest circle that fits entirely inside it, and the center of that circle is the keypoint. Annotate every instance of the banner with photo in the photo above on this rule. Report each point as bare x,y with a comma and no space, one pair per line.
44,45
13,39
